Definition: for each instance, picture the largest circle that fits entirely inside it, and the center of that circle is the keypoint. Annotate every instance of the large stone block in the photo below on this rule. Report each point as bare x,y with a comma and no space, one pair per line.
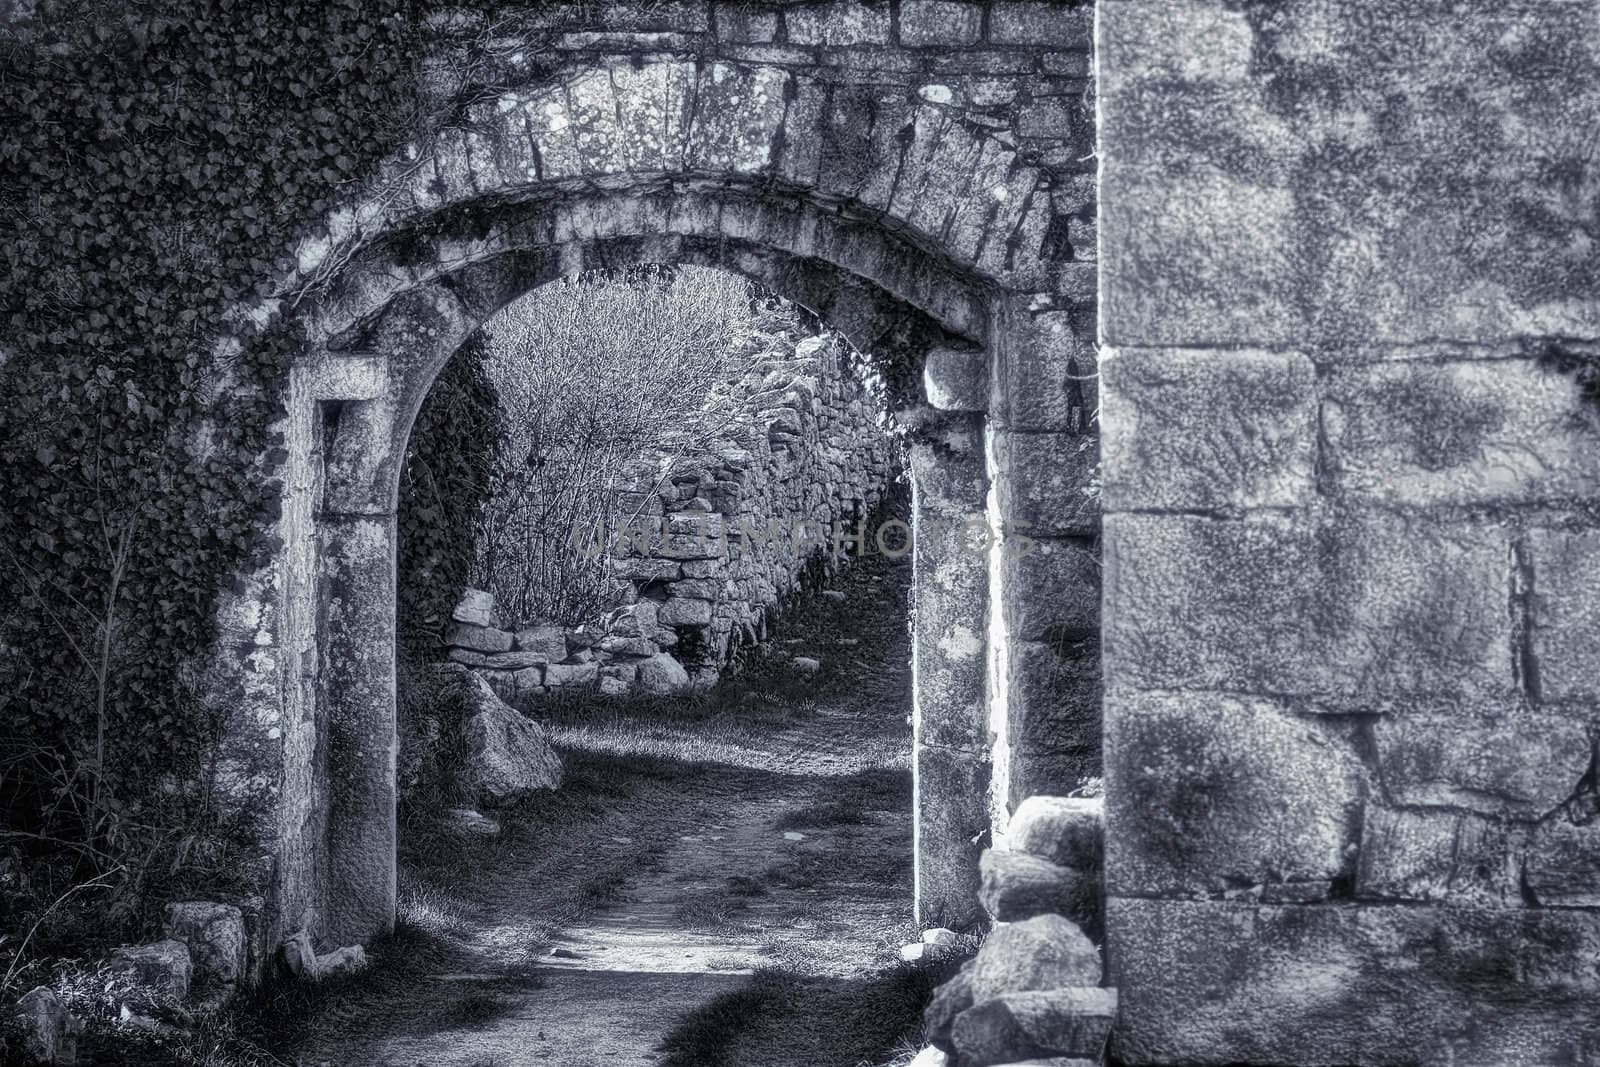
939,23
1275,185
1346,605
1186,429
1524,765
1030,771
1051,588
838,24
1053,698
952,825
738,116
1565,625
1212,982
1033,22
1435,855
1049,372
1207,793
956,381
1460,433
1561,865
1046,483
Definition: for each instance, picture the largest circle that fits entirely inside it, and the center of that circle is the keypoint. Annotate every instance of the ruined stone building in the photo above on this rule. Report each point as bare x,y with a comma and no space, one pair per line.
1254,332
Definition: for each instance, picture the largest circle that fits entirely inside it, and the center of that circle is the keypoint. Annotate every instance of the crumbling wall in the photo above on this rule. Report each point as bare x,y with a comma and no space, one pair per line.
1352,561
711,540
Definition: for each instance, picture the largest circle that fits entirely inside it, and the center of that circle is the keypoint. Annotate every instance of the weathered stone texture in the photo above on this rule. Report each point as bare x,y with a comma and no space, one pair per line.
1210,982
1435,855
1275,184
1524,764
1313,604
1502,431
1208,430
1208,793
1350,583
1564,579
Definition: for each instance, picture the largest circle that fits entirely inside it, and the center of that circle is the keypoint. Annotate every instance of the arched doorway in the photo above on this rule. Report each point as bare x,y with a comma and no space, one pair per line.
359,395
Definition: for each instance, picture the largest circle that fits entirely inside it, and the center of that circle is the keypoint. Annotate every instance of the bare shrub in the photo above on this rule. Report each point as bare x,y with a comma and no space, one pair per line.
593,372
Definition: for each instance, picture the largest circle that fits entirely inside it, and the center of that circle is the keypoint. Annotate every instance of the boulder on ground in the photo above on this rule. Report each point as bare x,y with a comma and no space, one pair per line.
661,674
949,1000
805,665
49,1032
1044,952
163,967
506,755
216,938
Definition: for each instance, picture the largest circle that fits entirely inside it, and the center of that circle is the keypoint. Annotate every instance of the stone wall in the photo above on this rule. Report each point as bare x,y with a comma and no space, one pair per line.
711,541
1352,559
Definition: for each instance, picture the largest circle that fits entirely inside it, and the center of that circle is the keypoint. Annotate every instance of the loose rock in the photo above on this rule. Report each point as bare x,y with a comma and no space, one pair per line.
1016,886
215,936
661,674
49,1032
948,1001
1017,1026
1045,952
1069,831
507,755
164,967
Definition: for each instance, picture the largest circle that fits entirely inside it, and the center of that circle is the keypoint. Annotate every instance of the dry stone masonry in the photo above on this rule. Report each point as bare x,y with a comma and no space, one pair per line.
711,542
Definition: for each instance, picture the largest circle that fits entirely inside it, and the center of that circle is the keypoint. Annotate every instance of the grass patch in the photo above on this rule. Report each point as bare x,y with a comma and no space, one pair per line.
851,800
710,912
856,860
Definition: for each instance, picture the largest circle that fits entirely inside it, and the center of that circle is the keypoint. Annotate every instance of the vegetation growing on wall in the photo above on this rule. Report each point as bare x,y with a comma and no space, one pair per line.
153,162
447,480
592,373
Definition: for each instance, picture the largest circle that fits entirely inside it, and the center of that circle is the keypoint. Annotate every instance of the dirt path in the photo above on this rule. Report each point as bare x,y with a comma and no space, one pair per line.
695,882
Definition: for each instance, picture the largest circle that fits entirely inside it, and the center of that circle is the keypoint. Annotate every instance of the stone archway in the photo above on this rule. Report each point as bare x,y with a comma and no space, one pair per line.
914,233
355,417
